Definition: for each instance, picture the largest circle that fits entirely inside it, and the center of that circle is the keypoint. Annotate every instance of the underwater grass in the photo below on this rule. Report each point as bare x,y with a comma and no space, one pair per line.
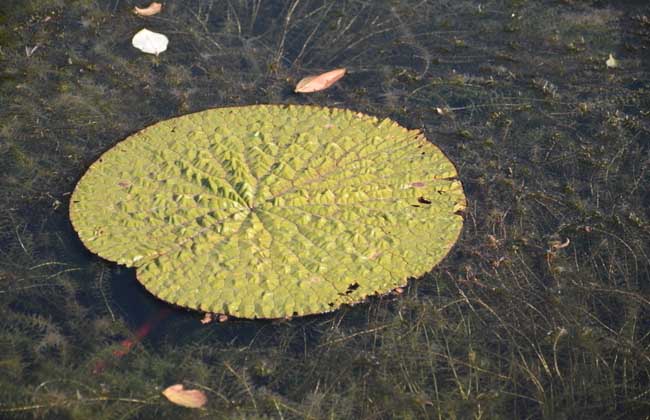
516,323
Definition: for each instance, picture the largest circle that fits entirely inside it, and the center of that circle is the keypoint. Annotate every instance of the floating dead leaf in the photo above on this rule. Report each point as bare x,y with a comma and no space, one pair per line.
555,245
442,110
207,318
29,51
319,82
611,62
190,398
153,9
150,42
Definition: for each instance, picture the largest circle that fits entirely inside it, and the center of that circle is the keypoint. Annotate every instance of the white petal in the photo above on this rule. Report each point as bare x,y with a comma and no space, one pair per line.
150,42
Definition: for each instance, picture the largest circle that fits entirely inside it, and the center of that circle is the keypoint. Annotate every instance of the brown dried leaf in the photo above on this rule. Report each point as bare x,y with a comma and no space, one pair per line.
207,318
153,9
319,82
190,398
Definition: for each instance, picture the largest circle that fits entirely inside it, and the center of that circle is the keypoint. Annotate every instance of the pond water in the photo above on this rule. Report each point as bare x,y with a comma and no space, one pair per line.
541,310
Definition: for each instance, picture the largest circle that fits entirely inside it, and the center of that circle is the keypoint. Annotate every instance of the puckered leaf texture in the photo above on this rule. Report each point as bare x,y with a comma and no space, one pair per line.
270,211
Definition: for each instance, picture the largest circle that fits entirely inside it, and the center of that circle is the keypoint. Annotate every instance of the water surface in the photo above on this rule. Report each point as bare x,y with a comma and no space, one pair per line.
541,309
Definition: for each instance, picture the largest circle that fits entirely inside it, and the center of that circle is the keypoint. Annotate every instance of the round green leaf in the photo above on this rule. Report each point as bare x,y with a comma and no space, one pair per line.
271,211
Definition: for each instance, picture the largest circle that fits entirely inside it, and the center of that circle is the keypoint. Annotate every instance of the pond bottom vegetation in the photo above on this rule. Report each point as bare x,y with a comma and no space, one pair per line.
540,311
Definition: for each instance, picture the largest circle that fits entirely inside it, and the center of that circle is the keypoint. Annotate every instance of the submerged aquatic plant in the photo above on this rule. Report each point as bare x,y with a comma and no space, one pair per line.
551,145
271,211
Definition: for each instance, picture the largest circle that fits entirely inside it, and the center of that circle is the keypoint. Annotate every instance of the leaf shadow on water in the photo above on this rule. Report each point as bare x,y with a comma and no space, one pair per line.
550,145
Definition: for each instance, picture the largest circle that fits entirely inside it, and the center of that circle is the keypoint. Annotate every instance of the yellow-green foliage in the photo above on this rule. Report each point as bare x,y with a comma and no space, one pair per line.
271,211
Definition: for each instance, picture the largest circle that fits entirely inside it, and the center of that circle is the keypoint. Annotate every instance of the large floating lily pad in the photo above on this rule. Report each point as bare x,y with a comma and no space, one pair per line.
271,211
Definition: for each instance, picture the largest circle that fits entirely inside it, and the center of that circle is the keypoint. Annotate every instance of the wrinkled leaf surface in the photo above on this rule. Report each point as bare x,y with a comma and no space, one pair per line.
271,211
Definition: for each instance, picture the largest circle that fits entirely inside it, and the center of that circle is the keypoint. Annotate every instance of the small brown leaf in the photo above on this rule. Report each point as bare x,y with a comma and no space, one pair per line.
190,398
319,82
153,9
207,318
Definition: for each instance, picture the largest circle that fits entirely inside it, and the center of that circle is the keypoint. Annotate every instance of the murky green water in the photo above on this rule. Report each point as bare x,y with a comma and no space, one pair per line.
540,311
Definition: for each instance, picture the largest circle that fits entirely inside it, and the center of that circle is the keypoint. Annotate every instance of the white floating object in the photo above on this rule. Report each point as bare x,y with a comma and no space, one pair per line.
611,62
150,42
